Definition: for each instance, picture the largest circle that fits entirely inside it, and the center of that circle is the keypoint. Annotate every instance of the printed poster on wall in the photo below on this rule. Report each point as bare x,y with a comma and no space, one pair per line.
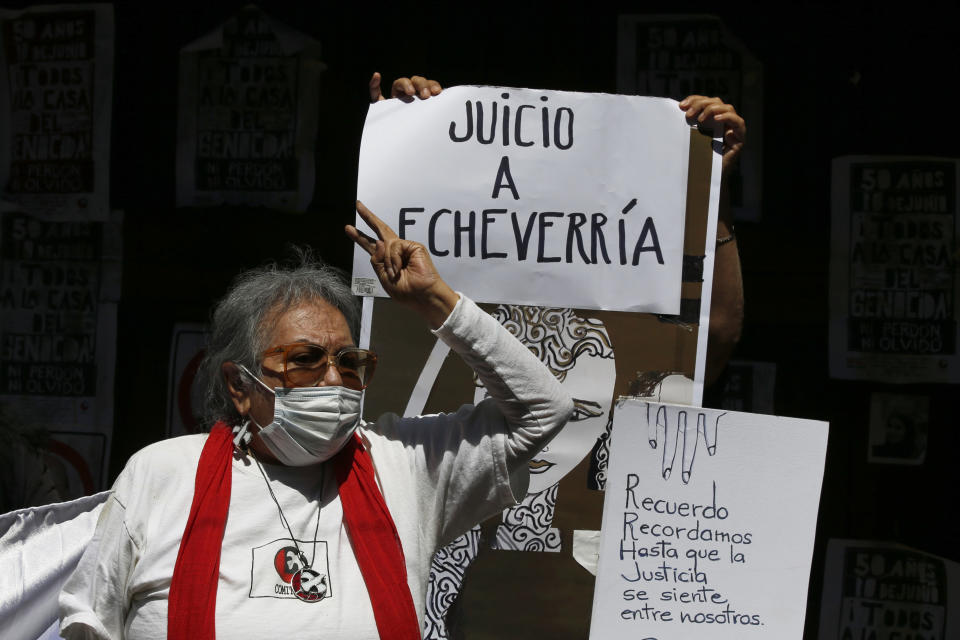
893,269
247,116
56,95
708,524
59,287
187,349
886,591
546,542
558,198
674,56
898,428
747,385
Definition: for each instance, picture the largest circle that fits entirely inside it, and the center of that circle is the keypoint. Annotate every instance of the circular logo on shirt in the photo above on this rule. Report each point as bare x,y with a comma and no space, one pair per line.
309,585
287,562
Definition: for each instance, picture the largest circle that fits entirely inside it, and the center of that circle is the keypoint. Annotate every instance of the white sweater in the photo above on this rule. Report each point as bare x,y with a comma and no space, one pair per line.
440,475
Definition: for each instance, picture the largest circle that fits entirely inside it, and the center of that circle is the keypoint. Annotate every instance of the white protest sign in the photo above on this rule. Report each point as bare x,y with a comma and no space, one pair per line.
534,197
56,97
883,591
247,117
715,546
894,276
61,283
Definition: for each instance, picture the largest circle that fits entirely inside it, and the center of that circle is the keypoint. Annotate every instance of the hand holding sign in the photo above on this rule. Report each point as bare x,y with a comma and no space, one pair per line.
404,269
711,111
405,88
671,424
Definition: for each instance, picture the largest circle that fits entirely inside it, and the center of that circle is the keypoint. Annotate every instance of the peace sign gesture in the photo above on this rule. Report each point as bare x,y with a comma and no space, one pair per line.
404,268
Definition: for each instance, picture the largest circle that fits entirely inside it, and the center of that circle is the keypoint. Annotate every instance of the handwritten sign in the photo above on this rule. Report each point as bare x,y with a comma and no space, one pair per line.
248,115
56,87
534,197
894,276
708,524
885,591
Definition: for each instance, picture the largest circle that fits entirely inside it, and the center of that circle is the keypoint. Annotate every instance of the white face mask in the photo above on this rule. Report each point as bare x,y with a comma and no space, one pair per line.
310,424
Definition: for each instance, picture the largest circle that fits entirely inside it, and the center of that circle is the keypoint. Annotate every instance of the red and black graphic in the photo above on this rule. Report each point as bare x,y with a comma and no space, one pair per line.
291,569
287,562
308,584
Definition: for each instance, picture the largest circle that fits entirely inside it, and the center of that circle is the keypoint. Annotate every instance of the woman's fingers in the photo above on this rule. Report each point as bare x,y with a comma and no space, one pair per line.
714,111
403,88
364,241
381,228
387,252
394,257
693,105
425,87
418,86
374,86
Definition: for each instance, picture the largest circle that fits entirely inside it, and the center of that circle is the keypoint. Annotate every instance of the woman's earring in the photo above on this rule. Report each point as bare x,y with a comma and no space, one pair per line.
243,436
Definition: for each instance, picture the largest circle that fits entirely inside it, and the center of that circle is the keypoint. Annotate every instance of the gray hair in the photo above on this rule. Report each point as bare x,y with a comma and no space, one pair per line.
238,329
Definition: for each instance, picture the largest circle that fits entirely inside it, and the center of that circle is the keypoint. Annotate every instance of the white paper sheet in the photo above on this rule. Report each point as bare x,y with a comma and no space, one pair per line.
708,534
39,549
566,199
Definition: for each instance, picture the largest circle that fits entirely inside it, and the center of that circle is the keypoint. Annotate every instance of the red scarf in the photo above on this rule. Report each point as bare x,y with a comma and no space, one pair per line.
373,535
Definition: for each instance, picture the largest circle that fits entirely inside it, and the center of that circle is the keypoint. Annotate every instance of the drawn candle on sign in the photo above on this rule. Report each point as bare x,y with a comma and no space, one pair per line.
581,237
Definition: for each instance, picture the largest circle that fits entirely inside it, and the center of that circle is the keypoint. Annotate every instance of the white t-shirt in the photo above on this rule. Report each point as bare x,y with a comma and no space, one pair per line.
439,476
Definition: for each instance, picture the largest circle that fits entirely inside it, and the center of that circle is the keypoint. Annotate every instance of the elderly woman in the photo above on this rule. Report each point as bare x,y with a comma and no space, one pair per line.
293,517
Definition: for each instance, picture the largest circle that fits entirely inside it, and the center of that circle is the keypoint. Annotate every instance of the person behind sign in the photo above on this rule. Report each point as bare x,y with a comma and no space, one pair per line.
292,514
726,306
726,300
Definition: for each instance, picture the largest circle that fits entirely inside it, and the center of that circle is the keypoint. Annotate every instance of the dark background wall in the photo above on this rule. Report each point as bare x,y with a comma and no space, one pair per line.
839,79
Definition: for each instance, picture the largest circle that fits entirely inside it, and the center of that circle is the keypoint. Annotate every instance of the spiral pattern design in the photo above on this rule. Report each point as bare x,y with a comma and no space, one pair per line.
446,580
556,336
526,527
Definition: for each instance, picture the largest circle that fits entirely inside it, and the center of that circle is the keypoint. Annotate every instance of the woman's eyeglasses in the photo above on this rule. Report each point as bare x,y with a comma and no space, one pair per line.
305,364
